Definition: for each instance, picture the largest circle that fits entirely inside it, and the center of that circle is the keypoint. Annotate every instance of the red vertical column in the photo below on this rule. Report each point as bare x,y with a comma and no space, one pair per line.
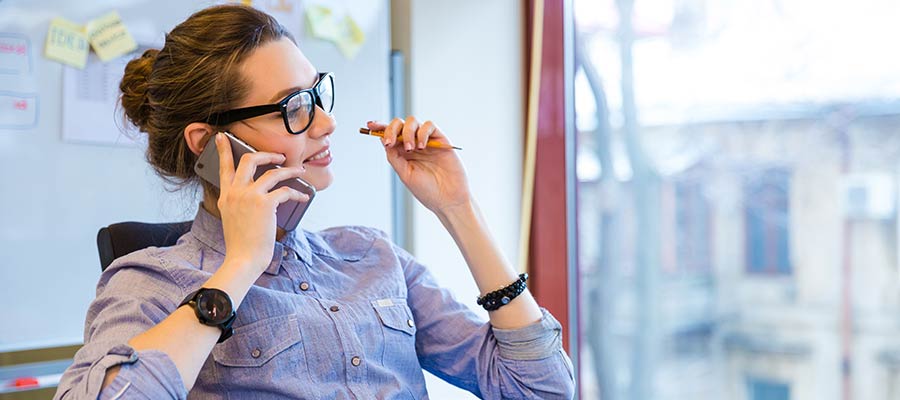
548,253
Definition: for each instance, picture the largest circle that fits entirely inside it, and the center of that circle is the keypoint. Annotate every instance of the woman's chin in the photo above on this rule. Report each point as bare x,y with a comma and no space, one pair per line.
320,181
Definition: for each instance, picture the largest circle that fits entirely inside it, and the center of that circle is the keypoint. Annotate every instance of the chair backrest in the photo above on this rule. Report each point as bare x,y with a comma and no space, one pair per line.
117,240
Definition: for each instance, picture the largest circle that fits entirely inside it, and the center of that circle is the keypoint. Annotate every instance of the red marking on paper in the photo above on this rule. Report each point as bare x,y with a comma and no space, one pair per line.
13,48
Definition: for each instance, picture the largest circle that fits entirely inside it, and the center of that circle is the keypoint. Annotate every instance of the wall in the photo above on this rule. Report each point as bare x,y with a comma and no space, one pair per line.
466,74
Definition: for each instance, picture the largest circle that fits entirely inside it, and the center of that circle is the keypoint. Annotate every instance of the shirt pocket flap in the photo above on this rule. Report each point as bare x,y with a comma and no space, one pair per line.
254,344
396,316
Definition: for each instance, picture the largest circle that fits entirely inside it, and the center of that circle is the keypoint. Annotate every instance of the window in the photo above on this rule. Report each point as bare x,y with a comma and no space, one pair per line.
761,389
687,225
718,145
767,222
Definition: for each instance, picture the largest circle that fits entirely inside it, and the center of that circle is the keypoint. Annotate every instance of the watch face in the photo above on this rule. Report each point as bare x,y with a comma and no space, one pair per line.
215,304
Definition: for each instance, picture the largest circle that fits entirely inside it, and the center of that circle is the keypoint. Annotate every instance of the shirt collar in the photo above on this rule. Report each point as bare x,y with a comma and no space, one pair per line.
298,241
208,230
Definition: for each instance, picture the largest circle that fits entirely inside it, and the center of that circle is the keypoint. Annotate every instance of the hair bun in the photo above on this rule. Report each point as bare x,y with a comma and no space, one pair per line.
134,86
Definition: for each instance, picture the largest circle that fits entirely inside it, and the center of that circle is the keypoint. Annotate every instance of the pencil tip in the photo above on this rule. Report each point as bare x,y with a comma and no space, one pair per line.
364,131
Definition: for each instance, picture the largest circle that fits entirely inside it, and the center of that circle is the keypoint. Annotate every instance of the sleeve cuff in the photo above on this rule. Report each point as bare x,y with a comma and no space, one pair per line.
149,374
537,341
118,354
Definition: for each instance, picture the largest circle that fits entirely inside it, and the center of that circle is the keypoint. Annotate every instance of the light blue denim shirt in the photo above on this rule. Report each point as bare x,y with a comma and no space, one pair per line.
338,314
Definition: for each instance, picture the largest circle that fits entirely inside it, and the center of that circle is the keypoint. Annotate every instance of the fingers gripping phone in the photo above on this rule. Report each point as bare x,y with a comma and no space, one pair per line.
289,213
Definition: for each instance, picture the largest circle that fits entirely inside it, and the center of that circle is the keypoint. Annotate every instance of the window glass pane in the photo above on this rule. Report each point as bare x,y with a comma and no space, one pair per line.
737,166
762,389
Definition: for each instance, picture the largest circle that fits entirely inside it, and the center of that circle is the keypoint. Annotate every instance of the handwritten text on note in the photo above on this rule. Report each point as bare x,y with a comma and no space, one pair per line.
15,54
109,37
66,43
18,110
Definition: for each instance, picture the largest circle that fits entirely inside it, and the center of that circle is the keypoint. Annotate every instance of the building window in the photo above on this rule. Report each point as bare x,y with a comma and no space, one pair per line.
764,389
693,227
767,222
687,226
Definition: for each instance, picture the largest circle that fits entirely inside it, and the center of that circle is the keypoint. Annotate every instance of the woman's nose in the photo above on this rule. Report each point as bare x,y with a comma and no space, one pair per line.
323,124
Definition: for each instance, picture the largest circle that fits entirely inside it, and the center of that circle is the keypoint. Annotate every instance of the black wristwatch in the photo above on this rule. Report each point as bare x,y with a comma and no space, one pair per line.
213,307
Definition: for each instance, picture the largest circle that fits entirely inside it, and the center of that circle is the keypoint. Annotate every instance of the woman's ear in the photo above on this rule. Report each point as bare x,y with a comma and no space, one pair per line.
197,134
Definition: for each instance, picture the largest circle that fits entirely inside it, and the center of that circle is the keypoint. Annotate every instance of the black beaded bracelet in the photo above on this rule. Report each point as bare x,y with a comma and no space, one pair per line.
502,297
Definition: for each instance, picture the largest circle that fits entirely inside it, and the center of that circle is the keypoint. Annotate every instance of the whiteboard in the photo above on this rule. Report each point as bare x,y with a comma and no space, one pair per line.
56,193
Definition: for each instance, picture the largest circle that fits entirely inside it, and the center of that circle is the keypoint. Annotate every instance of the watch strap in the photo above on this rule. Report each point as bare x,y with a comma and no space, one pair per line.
187,300
227,329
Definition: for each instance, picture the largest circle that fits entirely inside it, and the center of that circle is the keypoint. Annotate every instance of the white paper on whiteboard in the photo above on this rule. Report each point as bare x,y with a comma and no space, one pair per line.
18,111
89,97
15,54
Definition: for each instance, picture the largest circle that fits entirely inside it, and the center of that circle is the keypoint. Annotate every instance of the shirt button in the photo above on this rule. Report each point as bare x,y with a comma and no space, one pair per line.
304,286
256,353
335,308
410,323
355,361
285,253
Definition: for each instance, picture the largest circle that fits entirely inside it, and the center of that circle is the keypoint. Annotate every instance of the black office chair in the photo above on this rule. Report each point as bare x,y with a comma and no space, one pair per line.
117,240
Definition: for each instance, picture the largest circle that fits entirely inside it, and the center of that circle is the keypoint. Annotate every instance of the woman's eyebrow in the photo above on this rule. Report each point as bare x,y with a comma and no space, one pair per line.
282,94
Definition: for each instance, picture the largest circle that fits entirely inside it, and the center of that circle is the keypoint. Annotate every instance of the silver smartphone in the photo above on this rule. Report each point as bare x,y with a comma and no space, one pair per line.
289,213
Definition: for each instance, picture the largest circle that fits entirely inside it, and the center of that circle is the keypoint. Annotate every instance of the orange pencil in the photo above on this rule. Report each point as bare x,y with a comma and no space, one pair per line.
434,144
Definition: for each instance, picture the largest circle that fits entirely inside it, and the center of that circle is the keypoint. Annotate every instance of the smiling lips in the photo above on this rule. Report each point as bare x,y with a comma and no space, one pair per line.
322,158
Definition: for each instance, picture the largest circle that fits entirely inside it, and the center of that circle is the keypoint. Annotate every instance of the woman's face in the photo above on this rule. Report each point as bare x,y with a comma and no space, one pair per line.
273,71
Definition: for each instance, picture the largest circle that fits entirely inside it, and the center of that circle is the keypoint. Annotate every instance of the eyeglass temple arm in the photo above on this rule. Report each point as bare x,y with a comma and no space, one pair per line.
227,117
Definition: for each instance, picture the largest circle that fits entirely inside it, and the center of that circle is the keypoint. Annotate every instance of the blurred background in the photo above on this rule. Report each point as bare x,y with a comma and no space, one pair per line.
737,166
715,199
69,166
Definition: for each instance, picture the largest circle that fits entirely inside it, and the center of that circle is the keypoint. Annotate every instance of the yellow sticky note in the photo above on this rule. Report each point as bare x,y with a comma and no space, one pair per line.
66,43
351,38
322,23
109,37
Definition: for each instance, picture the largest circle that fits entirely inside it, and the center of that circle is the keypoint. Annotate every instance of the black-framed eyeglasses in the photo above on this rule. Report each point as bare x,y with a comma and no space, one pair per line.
297,109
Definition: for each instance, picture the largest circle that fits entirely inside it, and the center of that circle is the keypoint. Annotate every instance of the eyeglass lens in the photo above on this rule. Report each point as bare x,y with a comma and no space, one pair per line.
300,107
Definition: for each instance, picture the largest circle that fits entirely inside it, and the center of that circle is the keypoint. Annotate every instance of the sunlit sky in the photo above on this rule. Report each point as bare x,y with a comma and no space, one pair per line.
746,53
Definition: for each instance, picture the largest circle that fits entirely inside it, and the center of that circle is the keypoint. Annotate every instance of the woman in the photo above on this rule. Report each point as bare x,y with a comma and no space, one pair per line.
337,314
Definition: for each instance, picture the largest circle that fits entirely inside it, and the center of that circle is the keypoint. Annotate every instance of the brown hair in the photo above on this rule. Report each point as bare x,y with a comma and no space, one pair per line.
194,75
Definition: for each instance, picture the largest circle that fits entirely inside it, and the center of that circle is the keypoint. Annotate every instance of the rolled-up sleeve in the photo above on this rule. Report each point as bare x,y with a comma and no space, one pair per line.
533,342
146,375
130,300
456,345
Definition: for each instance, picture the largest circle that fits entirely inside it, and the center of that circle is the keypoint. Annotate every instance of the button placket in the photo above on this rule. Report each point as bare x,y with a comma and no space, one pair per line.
294,267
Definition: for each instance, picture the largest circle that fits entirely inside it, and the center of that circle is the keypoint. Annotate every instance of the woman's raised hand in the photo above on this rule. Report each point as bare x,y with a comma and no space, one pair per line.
436,177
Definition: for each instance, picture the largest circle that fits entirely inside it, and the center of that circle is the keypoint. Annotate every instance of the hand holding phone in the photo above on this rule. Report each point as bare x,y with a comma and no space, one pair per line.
289,213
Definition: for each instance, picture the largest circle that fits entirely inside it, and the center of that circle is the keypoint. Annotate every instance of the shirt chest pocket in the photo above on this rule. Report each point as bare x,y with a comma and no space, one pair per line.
273,344
399,331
